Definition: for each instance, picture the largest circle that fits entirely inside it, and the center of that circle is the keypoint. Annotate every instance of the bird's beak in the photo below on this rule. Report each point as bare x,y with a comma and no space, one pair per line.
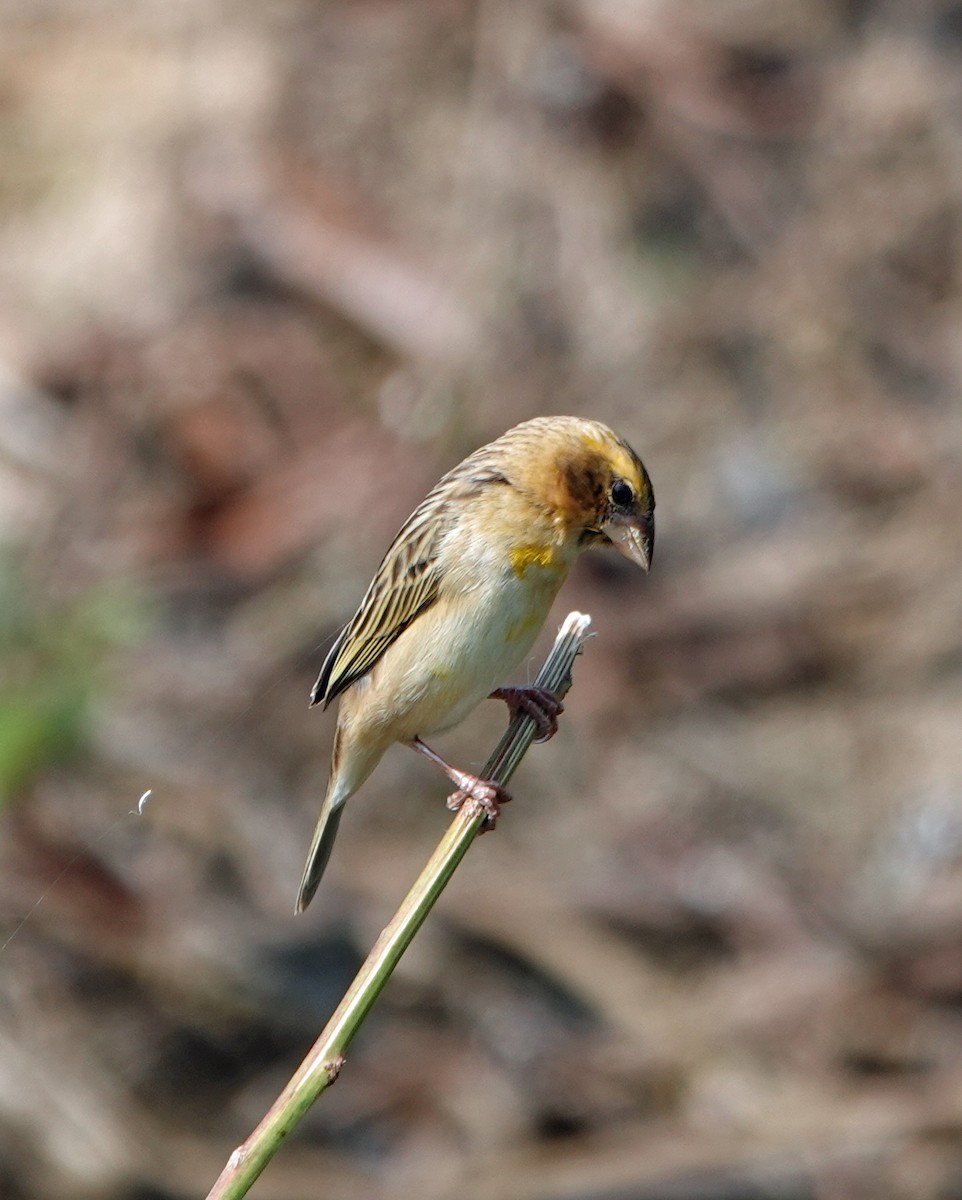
634,536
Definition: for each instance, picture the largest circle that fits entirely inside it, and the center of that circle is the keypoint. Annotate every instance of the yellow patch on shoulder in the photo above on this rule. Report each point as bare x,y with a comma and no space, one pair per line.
523,557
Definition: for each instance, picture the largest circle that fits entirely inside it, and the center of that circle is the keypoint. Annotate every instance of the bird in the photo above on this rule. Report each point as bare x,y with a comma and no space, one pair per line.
462,593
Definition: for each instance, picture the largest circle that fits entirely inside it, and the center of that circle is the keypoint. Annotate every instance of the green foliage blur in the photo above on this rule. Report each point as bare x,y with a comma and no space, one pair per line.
54,666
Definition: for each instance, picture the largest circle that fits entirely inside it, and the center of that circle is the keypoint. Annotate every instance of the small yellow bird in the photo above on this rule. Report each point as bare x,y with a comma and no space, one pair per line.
461,595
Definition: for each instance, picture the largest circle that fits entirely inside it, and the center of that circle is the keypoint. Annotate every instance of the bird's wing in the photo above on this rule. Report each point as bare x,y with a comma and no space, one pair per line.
406,584
408,581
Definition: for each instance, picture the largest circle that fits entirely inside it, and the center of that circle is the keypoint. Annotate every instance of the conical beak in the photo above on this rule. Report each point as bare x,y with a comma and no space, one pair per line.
634,536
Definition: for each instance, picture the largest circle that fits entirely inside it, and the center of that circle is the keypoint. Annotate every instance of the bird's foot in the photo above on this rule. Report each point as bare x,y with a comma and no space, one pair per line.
485,795
542,706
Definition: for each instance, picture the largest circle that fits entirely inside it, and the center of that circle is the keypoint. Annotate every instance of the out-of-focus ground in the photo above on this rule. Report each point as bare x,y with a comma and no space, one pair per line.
265,271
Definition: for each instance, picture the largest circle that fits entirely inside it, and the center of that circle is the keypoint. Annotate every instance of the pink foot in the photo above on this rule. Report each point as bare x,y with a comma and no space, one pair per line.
485,795
537,703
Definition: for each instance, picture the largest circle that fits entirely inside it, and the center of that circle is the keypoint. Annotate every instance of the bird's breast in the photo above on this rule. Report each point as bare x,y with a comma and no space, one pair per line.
466,644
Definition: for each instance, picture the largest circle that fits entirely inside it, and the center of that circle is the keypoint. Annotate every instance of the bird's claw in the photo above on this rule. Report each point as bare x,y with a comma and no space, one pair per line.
542,706
482,794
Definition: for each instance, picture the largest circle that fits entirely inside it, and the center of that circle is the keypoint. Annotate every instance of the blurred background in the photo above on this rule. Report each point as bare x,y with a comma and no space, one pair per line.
268,269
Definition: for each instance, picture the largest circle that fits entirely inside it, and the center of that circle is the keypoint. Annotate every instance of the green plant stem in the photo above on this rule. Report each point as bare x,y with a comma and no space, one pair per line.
323,1064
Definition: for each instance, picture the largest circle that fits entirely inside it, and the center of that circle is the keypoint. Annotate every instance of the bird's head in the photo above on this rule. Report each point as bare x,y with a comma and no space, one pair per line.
609,493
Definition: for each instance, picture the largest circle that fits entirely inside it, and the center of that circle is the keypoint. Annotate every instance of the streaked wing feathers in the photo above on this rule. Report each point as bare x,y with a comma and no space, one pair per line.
407,582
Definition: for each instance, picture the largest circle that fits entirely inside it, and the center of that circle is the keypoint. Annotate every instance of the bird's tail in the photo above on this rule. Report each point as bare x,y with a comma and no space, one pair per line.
351,763
320,852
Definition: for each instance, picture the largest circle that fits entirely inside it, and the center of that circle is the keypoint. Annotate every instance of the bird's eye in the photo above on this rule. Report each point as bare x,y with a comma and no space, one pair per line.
621,494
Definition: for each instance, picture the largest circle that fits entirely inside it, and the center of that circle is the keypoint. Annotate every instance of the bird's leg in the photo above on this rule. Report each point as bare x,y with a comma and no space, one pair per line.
486,794
542,706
